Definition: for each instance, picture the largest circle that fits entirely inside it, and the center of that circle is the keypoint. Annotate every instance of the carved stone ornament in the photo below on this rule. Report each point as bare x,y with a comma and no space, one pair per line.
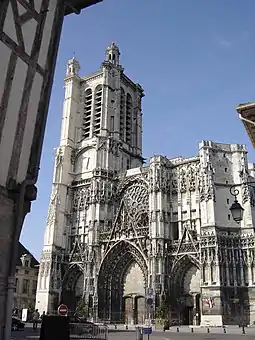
81,198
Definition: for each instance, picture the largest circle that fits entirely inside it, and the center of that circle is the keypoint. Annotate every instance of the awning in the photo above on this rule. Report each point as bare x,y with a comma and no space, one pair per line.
247,115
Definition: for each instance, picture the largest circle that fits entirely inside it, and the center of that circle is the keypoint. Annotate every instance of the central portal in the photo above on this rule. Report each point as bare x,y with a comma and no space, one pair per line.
134,295
121,285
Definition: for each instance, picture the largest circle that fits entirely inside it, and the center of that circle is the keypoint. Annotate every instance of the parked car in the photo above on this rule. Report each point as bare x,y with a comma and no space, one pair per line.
17,324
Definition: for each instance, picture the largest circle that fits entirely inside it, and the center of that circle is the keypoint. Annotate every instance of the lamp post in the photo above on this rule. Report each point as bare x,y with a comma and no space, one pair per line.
236,208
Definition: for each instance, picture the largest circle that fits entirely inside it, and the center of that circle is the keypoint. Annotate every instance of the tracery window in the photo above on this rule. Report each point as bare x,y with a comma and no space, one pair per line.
87,113
122,113
97,109
136,202
129,110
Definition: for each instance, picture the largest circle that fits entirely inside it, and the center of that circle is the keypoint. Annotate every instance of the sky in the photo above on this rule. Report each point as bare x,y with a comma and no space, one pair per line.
194,59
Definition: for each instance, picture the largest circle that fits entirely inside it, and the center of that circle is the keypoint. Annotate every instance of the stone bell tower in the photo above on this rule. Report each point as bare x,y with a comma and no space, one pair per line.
101,137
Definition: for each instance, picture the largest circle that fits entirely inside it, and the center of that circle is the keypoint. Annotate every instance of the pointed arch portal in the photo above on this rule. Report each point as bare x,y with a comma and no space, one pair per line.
122,282
72,287
185,289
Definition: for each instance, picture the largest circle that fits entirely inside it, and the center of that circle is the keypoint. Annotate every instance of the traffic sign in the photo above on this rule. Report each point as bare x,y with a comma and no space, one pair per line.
62,310
147,330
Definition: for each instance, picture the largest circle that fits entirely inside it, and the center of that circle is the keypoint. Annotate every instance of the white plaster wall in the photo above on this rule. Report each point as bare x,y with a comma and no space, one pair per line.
5,56
28,31
30,125
11,119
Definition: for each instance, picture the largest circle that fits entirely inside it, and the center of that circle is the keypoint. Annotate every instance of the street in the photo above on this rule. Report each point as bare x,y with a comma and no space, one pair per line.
232,332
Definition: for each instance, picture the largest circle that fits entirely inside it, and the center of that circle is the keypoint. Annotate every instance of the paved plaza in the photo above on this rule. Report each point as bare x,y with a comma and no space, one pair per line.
232,332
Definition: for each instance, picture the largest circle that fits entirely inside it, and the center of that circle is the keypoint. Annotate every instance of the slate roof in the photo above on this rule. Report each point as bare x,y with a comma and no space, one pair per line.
22,251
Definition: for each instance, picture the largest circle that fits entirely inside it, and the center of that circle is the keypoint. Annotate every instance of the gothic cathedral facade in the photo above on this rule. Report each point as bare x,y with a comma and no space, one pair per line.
120,234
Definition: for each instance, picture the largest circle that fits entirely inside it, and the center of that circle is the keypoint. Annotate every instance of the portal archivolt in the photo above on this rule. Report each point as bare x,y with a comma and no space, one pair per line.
116,282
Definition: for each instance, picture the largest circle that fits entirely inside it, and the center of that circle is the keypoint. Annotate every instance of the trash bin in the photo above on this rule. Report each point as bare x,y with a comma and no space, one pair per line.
139,333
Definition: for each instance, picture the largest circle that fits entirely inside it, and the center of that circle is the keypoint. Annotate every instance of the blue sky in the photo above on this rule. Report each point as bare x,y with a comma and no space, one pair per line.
195,60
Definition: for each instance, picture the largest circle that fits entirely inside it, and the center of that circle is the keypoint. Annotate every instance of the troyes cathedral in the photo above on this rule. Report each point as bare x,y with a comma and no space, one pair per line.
119,232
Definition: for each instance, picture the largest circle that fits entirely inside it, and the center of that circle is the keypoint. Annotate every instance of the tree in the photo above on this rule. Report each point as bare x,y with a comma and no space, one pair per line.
81,309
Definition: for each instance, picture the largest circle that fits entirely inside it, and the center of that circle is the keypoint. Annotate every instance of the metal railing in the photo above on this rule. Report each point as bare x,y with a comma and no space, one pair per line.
88,331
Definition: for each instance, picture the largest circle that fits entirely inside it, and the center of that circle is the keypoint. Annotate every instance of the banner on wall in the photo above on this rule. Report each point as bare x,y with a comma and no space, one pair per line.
210,302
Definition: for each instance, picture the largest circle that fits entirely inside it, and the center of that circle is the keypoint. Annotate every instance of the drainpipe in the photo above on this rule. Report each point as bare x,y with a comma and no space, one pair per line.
19,218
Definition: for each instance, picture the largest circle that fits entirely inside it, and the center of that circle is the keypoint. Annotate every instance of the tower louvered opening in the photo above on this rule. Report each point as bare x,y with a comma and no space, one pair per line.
98,109
87,113
122,113
129,108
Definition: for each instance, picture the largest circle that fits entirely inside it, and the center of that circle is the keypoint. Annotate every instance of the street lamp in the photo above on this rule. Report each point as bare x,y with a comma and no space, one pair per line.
236,208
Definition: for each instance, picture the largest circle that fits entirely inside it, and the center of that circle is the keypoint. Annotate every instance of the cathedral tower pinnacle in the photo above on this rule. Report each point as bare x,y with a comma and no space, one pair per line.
112,54
73,67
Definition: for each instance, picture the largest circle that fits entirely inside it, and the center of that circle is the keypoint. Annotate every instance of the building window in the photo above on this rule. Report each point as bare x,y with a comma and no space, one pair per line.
26,263
226,169
229,217
16,285
97,109
128,164
26,272
25,286
129,109
112,124
87,113
175,227
34,287
122,113
227,200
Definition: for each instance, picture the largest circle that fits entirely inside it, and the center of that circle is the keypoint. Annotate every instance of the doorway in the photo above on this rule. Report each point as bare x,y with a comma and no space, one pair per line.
187,316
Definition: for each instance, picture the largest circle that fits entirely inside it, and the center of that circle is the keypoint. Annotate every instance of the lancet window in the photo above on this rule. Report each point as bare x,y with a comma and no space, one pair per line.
98,109
87,113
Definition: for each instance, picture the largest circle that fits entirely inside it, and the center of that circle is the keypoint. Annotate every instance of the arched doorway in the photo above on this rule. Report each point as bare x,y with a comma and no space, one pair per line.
121,284
186,290
134,294
73,287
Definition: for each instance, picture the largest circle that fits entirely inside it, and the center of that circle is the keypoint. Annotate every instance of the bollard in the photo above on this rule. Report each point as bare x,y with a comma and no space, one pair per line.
224,330
243,330
177,330
192,330
139,333
208,330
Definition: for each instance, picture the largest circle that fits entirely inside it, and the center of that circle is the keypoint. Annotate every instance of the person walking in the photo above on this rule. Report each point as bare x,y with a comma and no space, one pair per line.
36,317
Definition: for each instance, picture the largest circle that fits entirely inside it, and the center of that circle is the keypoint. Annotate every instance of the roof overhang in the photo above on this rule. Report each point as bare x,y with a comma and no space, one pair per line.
246,113
75,6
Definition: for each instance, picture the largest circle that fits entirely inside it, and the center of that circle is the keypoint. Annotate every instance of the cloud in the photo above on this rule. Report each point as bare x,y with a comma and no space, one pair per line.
224,43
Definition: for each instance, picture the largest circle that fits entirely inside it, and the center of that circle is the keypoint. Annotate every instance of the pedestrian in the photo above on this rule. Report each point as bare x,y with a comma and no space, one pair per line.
43,315
36,317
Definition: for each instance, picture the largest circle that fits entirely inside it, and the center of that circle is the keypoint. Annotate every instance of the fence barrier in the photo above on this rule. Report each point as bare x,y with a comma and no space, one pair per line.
88,331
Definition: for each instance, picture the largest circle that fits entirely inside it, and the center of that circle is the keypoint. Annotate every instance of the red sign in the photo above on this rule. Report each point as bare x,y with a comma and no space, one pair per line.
62,310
